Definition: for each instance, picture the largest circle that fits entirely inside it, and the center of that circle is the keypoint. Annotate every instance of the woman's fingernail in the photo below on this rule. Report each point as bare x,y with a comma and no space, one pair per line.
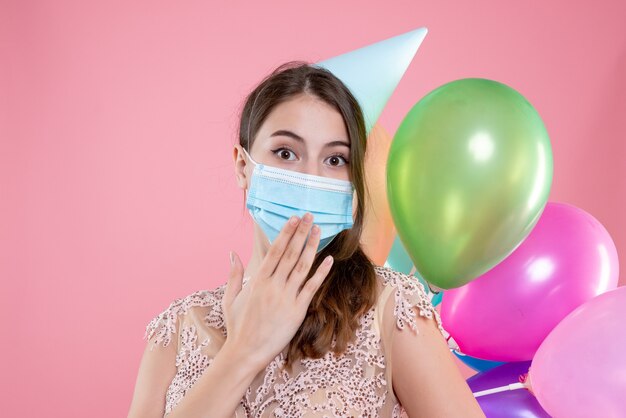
293,220
328,259
232,258
315,230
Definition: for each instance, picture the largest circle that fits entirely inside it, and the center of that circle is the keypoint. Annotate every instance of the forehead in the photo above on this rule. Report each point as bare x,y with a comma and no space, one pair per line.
309,117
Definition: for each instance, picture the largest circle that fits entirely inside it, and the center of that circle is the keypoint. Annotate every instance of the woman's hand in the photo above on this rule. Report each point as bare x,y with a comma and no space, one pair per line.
264,316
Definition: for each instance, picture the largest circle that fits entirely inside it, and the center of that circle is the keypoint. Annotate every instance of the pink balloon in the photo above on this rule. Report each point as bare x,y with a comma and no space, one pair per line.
580,368
505,314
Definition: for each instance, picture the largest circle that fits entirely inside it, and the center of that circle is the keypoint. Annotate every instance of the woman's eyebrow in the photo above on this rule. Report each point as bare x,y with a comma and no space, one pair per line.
284,132
330,144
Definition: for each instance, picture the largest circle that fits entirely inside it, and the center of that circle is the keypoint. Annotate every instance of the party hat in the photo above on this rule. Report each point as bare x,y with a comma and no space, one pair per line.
373,72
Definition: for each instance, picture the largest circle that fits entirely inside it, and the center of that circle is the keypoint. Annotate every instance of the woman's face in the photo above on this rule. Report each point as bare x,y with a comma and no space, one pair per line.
302,134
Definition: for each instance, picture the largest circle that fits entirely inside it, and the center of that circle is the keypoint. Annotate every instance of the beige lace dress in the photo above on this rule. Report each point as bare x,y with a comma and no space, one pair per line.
354,384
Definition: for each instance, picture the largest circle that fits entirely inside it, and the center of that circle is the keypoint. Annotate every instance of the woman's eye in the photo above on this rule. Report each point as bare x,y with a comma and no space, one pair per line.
284,153
337,160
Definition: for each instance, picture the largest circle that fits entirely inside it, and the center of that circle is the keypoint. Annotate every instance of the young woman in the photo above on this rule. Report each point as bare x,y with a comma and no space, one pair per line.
309,327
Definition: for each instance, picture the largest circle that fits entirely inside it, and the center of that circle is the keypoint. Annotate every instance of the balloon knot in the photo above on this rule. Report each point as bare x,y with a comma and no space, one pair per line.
525,380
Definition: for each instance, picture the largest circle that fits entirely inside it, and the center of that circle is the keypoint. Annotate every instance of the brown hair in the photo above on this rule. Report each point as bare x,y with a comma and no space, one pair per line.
349,289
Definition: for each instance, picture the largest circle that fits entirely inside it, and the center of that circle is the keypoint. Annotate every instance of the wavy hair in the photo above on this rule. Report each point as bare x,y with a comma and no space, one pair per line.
349,289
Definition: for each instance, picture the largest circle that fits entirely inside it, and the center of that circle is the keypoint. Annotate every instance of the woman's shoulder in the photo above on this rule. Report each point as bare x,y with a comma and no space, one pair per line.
205,304
410,298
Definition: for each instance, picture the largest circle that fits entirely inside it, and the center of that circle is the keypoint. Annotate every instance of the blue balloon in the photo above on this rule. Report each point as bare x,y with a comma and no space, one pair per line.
437,298
399,260
476,363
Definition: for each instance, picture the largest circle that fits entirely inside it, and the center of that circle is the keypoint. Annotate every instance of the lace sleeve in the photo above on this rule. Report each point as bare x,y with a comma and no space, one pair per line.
410,295
164,325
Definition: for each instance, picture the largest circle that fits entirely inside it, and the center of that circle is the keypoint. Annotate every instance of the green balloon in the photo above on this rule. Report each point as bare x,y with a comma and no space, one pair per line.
468,174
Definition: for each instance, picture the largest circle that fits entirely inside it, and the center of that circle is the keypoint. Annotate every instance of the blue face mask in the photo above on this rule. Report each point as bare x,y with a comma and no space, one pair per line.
276,194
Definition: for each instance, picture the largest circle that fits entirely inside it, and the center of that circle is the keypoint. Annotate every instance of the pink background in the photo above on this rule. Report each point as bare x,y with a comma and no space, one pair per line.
117,120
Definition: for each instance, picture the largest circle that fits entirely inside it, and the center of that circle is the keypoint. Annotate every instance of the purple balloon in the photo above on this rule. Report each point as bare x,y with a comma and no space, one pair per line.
517,403
505,314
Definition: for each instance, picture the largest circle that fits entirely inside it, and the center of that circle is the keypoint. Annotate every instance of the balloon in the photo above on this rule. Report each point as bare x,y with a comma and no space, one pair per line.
505,314
400,261
580,368
468,174
435,296
378,229
517,403
476,363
